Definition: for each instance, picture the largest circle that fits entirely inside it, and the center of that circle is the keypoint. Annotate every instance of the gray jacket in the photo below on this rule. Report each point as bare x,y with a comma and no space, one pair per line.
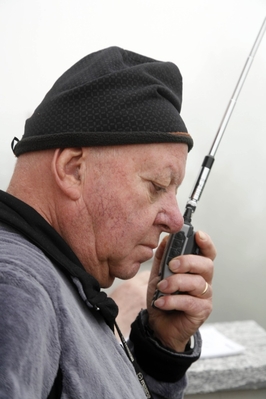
46,323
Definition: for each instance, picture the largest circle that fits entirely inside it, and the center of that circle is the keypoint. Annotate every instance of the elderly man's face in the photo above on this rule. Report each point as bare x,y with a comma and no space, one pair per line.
130,197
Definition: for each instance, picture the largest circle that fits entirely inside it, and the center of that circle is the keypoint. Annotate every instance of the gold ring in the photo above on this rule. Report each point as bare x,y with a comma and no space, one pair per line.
205,289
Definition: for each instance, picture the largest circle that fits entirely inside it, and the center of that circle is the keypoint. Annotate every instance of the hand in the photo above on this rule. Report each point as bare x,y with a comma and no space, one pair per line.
130,296
176,318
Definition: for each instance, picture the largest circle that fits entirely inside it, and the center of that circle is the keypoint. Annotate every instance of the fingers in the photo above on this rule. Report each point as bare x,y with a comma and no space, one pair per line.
157,260
192,275
194,265
197,264
130,296
161,247
205,289
192,306
205,244
194,285
207,250
174,318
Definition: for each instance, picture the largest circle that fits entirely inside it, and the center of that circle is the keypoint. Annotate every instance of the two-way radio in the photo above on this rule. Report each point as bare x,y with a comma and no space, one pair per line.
183,242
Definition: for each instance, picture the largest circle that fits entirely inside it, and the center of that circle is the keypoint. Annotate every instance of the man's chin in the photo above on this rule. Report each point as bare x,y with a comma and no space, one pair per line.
108,283
129,268
127,272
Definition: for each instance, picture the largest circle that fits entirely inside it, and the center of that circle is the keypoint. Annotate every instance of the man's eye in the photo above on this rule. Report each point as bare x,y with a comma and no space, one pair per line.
158,188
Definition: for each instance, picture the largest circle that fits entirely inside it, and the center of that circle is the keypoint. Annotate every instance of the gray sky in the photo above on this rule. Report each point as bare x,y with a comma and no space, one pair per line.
209,40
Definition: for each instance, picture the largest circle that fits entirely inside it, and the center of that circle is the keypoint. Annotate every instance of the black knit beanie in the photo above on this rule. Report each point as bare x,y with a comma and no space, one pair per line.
110,97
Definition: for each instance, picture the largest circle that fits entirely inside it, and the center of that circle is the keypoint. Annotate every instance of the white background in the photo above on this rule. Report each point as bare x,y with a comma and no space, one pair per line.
210,41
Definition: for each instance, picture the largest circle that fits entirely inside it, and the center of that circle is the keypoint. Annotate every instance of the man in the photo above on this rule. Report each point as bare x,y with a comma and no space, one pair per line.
94,186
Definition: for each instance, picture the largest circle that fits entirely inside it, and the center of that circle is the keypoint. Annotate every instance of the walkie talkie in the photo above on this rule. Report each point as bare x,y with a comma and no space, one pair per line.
183,242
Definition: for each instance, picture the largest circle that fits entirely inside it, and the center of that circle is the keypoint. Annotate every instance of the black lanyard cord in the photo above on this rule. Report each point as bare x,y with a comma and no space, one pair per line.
135,364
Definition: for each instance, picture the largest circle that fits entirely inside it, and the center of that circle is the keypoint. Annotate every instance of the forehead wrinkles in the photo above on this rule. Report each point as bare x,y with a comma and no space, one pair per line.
162,159
120,158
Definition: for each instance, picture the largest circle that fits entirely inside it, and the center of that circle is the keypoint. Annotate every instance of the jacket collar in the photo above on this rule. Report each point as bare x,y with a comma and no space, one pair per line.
28,222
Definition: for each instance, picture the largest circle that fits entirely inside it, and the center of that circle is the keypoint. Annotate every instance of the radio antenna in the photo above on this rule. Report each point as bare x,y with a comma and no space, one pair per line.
183,242
209,159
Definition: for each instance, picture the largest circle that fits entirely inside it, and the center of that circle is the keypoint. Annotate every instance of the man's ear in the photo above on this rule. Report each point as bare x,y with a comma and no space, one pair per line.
68,166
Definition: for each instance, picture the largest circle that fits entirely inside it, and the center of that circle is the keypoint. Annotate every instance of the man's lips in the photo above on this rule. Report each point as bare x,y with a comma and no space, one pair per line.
150,249
150,245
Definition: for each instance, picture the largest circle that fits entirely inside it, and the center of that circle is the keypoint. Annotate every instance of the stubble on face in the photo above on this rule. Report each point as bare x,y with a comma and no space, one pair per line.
123,194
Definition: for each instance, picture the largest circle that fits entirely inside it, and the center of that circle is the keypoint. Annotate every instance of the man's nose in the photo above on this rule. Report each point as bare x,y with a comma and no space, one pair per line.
170,218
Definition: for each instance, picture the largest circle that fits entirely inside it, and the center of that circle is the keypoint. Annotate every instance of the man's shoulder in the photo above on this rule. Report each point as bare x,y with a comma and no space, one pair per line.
16,248
24,264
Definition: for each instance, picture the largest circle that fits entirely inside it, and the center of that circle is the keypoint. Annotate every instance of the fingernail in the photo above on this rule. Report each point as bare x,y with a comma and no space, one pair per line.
174,265
162,285
159,302
202,235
